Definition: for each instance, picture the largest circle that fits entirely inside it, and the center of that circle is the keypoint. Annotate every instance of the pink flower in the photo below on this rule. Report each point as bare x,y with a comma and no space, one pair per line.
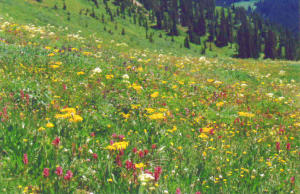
68,175
93,134
56,141
198,192
178,191
114,135
46,172
25,159
293,179
59,171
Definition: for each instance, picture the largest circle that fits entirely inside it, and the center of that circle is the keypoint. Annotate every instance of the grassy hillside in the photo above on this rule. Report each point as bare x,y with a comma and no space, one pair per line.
44,13
90,112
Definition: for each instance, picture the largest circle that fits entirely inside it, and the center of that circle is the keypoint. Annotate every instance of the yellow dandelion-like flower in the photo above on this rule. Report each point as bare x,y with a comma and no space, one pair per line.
50,125
109,76
246,114
220,104
76,118
68,110
154,95
150,110
157,116
140,165
210,80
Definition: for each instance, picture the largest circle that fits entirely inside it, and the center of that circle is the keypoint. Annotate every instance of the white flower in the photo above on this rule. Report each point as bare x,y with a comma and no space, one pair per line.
125,76
281,72
145,177
97,70
244,85
270,95
281,98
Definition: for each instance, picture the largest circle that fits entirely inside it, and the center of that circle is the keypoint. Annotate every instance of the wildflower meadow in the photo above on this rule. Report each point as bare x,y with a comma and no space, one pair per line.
84,114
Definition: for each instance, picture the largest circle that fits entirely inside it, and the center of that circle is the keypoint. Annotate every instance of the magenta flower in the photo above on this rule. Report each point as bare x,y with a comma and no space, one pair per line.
95,156
59,171
157,172
288,146
68,175
56,141
46,172
25,159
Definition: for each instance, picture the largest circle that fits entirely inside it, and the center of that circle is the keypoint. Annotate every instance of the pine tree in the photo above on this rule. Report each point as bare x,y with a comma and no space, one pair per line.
222,38
270,45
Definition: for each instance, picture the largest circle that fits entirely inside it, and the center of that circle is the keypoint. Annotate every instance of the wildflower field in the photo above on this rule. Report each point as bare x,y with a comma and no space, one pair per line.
83,114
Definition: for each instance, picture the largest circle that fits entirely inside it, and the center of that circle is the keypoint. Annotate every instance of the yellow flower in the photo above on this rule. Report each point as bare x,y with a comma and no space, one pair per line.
154,95
140,165
220,104
80,73
50,125
210,80
76,118
118,146
41,129
54,66
138,88
157,116
150,110
246,114
68,110
109,76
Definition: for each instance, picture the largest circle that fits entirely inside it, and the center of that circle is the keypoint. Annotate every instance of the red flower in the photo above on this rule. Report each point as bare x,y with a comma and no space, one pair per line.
128,165
59,171
68,175
134,150
153,146
288,146
95,156
146,152
141,154
25,159
56,141
93,134
277,146
157,172
46,172
22,94
198,192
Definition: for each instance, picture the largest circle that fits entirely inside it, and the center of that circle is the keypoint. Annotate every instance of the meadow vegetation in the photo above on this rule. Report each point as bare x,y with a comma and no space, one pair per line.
86,112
